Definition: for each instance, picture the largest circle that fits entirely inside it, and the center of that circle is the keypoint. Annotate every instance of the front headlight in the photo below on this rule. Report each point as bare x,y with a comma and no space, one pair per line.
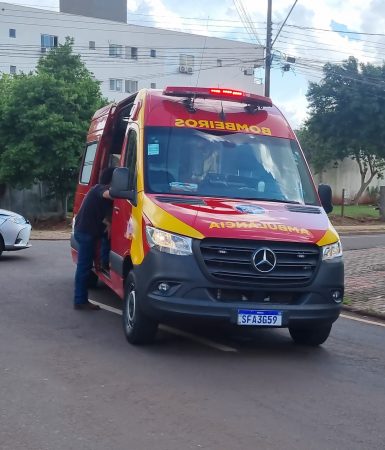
168,242
18,219
332,250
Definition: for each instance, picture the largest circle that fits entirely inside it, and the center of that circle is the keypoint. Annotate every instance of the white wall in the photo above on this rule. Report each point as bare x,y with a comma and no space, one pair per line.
345,175
29,23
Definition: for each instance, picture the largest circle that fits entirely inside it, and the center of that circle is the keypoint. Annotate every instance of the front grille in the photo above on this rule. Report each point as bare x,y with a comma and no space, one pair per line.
252,295
232,261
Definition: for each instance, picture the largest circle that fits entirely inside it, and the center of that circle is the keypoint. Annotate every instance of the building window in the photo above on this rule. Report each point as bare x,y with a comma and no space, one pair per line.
219,63
92,45
12,70
249,71
186,63
153,53
12,33
116,84
116,51
134,53
153,85
131,86
48,41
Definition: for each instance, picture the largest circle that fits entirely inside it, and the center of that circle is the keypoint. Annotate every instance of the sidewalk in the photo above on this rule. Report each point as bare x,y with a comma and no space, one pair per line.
364,270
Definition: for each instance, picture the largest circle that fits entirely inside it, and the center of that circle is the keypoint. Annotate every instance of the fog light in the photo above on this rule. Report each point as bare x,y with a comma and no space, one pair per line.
337,296
163,287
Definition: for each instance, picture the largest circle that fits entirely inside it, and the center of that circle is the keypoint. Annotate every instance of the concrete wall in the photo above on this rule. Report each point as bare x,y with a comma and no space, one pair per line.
216,62
114,10
345,175
32,203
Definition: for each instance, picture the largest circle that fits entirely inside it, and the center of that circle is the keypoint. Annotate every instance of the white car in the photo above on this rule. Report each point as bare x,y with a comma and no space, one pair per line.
15,231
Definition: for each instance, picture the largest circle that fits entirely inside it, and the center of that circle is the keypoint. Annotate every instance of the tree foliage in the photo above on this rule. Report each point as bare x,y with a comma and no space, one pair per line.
317,152
347,116
44,117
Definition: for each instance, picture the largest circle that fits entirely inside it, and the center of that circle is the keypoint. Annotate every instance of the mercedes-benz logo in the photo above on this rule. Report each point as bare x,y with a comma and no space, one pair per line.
264,260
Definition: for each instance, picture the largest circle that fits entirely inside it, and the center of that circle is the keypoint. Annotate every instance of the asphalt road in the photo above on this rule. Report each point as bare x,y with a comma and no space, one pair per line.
361,241
69,380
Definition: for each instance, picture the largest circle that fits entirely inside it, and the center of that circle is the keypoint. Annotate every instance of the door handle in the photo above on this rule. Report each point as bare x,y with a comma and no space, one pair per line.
116,209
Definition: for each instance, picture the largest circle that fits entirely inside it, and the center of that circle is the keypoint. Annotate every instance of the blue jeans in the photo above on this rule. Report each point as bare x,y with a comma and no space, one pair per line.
86,252
105,248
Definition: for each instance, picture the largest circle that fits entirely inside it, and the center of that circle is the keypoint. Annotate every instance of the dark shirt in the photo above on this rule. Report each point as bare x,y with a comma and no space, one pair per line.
94,209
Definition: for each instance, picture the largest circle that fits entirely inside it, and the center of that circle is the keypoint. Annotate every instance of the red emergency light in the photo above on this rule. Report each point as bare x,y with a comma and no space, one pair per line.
218,94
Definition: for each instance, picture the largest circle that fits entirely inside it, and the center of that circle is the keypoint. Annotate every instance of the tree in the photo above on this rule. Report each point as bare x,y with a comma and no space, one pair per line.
44,118
347,116
317,153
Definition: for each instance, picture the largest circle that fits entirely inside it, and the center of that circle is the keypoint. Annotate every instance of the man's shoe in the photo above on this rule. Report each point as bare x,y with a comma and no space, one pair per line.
86,306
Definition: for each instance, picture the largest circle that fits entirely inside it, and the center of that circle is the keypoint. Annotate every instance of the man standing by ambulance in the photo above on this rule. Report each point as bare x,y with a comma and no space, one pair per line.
89,228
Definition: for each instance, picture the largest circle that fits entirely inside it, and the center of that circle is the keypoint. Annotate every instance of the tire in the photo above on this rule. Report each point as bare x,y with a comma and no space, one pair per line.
1,244
138,328
310,336
92,280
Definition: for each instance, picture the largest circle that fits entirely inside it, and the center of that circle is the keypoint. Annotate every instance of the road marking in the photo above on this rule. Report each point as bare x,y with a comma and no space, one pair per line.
199,339
370,322
106,307
172,330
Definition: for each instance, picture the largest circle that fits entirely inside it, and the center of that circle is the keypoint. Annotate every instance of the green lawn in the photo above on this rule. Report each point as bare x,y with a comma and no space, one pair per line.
356,212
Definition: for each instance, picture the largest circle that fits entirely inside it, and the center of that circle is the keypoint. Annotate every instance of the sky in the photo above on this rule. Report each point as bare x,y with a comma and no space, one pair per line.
317,32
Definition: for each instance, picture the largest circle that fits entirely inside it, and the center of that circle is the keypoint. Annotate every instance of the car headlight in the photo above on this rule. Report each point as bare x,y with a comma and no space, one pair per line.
332,250
168,242
18,219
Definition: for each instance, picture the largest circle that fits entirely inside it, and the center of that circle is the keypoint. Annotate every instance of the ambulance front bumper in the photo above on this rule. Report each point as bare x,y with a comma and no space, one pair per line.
179,288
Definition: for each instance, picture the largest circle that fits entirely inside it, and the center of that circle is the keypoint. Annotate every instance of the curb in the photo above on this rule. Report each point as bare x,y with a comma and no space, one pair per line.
364,313
359,229
363,232
50,236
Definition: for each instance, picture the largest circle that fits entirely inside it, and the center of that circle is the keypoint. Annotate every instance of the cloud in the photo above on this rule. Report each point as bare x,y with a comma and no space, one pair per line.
295,110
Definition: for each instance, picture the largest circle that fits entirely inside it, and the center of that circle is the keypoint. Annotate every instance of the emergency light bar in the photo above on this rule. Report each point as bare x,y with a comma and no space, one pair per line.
218,94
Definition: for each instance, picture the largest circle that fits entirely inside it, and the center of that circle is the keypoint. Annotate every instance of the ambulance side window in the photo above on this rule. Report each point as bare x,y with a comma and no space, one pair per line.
88,161
130,162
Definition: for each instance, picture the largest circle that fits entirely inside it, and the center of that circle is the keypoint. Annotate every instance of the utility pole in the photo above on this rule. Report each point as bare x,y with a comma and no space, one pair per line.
268,48
269,44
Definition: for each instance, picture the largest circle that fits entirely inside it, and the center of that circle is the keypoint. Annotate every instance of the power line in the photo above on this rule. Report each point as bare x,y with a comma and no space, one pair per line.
283,24
336,31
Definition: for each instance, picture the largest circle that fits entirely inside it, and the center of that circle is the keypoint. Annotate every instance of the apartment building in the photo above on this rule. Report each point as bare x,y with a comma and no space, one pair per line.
125,57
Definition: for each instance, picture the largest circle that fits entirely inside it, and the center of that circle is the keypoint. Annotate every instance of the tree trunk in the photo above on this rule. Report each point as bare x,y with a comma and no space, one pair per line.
62,207
364,185
66,206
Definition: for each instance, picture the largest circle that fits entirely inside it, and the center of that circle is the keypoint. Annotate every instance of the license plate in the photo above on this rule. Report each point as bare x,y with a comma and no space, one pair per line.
257,318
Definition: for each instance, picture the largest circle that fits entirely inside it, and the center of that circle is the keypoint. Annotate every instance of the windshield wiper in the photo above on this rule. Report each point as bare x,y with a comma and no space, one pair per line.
275,200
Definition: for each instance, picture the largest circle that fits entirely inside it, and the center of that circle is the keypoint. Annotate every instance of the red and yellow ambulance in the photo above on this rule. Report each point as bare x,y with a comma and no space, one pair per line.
215,214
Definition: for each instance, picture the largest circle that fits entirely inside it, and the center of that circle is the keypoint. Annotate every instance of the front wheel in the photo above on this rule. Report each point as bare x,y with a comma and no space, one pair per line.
138,328
310,335
1,245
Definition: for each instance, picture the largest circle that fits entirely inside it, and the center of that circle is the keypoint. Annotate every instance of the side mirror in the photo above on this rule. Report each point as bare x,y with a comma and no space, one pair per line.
120,185
325,195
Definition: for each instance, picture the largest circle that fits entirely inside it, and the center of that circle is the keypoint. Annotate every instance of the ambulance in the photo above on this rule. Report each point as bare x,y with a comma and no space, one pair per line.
215,215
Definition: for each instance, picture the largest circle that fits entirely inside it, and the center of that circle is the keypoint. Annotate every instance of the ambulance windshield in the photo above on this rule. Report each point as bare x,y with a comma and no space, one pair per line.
221,164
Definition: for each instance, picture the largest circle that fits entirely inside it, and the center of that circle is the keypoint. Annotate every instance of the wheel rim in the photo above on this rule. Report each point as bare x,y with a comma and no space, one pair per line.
130,310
